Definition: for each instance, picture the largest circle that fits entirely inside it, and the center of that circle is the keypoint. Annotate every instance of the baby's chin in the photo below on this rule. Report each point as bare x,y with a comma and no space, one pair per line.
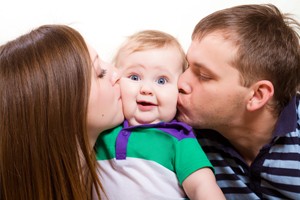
136,122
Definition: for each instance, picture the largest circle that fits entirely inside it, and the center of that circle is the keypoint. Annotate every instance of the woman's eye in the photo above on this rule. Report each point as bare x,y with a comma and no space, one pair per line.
134,77
102,73
161,81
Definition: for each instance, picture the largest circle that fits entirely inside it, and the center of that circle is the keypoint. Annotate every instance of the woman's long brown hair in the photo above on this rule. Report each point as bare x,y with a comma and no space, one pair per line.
45,80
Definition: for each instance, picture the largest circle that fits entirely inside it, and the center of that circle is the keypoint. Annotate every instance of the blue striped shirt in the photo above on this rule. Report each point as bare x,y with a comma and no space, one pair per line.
274,173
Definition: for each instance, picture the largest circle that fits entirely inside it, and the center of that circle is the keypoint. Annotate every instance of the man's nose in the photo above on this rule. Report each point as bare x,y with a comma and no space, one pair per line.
183,84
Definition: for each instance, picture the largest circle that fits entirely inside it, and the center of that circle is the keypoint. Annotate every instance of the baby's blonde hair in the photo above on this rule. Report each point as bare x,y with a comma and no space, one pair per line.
149,39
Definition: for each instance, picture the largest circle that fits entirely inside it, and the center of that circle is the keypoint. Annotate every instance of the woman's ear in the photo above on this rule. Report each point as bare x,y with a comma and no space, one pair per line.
262,92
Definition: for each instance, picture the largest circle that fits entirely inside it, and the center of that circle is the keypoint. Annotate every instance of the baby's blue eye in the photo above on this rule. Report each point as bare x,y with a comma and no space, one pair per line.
134,77
161,81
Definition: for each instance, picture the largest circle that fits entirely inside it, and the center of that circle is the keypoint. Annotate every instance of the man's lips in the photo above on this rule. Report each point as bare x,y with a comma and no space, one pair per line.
181,101
179,104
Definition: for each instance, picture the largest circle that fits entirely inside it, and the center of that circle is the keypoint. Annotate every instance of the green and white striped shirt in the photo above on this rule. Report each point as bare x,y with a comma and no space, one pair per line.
148,161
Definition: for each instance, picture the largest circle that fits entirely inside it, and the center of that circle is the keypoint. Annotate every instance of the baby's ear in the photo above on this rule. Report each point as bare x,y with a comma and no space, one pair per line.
262,92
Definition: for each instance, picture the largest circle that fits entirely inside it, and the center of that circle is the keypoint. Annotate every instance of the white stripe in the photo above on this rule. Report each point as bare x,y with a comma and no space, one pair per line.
287,164
288,180
138,179
290,195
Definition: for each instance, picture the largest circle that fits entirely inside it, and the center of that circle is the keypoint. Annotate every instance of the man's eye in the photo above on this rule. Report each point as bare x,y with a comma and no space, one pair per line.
161,81
204,77
134,77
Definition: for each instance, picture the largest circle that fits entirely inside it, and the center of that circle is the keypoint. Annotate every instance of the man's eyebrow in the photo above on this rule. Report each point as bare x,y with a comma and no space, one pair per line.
198,65
203,67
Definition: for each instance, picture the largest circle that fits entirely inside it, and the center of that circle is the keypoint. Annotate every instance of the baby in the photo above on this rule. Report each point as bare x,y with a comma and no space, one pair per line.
151,155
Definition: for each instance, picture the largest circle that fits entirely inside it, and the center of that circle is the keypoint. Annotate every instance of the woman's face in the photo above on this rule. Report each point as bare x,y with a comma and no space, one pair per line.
105,106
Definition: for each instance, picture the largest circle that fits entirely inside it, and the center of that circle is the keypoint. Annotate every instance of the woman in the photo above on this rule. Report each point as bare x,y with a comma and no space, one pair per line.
56,96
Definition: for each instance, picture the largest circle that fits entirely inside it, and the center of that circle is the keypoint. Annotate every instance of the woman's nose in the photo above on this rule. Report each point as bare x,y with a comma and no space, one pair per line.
115,77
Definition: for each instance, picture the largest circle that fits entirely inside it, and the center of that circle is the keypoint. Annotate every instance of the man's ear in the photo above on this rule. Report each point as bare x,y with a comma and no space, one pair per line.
262,92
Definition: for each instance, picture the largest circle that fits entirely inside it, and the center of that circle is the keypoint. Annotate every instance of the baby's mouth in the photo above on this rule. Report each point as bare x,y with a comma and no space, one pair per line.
144,103
145,106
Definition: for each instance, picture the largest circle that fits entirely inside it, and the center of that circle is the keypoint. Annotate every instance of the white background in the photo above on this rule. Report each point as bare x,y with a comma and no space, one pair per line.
106,23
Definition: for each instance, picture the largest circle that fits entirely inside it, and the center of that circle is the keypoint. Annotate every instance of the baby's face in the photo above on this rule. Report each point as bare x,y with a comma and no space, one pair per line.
149,85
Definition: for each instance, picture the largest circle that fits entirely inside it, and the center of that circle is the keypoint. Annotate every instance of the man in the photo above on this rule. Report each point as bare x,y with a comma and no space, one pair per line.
242,81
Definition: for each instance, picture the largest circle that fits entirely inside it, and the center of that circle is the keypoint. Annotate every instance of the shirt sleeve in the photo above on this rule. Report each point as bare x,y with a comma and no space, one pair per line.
189,158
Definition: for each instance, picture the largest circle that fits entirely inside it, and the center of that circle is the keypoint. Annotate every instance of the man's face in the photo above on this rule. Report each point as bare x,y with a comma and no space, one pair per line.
211,95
